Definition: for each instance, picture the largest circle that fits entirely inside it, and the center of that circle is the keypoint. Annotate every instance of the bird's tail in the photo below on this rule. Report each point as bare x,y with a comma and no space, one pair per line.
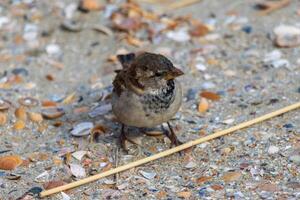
126,59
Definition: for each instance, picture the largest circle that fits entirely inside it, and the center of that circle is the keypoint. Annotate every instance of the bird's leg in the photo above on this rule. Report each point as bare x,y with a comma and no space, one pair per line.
166,133
172,136
123,138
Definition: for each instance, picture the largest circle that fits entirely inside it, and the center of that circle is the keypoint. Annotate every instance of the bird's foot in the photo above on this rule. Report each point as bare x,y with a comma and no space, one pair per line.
172,136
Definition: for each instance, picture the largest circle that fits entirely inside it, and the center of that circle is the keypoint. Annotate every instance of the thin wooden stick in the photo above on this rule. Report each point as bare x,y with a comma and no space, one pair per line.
170,151
182,3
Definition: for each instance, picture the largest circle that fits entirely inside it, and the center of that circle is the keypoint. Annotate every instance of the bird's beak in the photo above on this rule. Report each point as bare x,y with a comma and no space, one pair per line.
175,72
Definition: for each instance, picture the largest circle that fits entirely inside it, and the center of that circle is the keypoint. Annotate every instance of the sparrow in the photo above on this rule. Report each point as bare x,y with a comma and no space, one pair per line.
145,93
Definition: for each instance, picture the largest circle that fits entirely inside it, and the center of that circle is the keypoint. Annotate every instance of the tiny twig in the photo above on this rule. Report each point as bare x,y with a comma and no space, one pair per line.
172,5
116,164
273,6
171,151
153,1
181,4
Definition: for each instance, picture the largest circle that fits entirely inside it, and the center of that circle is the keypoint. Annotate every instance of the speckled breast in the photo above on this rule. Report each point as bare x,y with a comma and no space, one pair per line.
150,109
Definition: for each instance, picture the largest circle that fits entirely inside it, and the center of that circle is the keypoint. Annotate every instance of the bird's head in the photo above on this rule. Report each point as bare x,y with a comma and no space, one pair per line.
153,67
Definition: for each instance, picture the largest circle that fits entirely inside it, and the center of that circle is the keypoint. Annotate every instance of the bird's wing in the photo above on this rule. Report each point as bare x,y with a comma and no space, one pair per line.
119,83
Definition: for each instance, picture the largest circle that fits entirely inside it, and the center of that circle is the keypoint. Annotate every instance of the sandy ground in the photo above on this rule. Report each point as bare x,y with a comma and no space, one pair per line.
261,162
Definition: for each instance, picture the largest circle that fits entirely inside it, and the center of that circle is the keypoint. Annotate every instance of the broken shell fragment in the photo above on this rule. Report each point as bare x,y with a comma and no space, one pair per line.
19,125
203,105
12,176
154,133
4,105
82,129
48,103
100,110
147,175
79,154
21,114
53,112
77,171
35,117
103,29
89,5
119,22
28,101
3,119
71,25
10,162
53,184
199,30
231,176
210,95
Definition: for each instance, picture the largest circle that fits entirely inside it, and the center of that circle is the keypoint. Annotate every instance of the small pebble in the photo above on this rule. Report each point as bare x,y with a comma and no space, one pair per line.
250,88
200,67
109,10
288,126
20,71
179,35
228,121
191,165
35,191
208,85
191,94
30,32
203,192
3,21
295,159
212,37
280,63
265,195
70,9
247,29
273,150
203,145
272,56
53,50
238,195
65,196
287,36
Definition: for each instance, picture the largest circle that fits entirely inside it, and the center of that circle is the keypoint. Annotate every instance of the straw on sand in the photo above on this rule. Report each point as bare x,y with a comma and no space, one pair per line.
170,151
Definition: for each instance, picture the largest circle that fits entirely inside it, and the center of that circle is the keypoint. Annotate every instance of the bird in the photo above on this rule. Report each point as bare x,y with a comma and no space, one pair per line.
146,93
